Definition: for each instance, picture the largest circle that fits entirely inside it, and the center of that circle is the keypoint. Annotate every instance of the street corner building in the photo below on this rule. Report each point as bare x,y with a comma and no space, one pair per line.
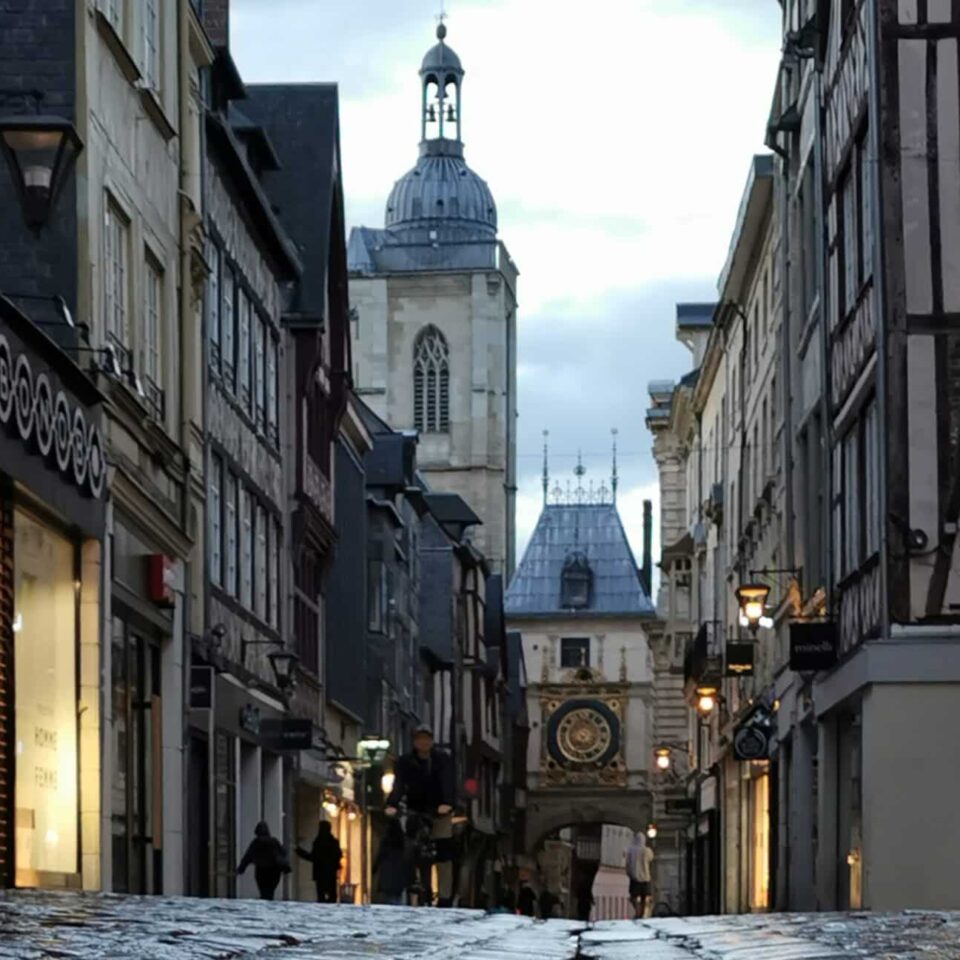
582,609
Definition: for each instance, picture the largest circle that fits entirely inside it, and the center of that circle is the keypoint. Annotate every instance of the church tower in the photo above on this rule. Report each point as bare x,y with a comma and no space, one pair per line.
435,295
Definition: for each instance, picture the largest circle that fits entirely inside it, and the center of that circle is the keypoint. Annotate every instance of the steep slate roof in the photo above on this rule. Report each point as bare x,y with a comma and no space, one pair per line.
593,529
302,120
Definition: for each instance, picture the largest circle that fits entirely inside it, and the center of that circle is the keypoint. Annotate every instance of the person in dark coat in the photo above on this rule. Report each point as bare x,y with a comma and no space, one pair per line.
527,901
325,855
585,901
549,904
393,866
269,860
424,780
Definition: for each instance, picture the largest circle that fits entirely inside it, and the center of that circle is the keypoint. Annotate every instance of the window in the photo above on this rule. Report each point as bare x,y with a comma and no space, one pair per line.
115,280
231,522
376,596
246,549
765,444
213,304
259,372
273,562
808,239
866,206
575,652
871,470
431,382
150,23
273,430
851,503
228,357
153,323
214,520
243,348
576,580
261,563
851,259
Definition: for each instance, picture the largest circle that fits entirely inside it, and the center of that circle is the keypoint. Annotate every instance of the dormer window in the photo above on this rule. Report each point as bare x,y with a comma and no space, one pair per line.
575,582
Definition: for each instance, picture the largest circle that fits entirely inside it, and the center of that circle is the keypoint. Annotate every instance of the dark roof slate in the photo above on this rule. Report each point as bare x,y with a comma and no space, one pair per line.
593,529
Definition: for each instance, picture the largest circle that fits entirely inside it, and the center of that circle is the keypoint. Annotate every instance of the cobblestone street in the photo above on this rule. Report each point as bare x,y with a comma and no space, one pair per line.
87,926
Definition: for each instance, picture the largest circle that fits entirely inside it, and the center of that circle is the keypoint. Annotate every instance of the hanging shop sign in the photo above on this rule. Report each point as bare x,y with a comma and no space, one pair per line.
50,424
161,580
813,646
740,659
751,743
290,733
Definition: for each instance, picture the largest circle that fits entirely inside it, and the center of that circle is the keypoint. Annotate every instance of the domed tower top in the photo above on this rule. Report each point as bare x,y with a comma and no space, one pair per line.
441,77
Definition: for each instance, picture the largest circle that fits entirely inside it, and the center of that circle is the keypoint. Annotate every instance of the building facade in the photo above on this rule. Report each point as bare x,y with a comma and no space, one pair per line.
435,294
579,603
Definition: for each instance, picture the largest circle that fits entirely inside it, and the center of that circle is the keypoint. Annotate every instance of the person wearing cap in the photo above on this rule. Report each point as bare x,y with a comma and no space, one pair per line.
424,780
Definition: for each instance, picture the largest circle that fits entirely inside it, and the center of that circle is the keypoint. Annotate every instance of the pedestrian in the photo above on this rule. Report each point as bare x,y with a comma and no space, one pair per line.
549,904
424,780
585,901
269,860
527,900
393,866
325,855
639,858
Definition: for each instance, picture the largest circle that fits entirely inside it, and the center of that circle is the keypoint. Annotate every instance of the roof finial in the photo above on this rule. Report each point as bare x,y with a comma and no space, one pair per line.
546,467
441,26
614,478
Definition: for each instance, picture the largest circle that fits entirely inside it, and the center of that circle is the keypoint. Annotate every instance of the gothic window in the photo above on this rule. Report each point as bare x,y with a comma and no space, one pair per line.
431,382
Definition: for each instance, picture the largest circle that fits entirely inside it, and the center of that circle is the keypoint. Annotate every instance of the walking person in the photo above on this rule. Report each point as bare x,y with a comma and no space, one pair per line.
639,859
393,866
269,860
325,855
424,780
527,900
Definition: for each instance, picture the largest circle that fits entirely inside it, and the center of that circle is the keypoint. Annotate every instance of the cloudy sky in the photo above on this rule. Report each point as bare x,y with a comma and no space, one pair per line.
616,138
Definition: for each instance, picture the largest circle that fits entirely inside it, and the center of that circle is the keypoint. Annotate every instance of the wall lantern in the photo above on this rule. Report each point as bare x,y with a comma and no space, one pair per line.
706,700
752,598
652,832
283,663
331,808
663,758
40,150
373,749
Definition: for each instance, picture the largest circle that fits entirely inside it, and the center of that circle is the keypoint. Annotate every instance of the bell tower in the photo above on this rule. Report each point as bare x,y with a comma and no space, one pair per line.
441,82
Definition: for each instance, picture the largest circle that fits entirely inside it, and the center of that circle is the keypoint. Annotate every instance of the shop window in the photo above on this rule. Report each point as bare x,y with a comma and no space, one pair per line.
45,683
224,813
136,786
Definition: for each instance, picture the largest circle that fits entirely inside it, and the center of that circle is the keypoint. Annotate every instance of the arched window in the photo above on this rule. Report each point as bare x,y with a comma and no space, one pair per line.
431,382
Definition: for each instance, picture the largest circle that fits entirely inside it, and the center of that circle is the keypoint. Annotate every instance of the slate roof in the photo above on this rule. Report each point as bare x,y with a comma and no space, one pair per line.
302,121
593,529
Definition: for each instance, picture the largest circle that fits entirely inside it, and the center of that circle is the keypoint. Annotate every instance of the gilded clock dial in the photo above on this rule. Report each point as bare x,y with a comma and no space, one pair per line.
584,735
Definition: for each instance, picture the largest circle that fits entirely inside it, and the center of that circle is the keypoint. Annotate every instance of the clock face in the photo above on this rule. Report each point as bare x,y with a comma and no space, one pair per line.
583,733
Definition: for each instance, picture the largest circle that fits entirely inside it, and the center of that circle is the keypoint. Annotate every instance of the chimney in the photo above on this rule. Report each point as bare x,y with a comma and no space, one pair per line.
216,21
646,570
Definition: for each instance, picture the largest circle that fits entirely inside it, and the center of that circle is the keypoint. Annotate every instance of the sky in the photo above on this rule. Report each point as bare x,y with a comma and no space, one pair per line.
616,138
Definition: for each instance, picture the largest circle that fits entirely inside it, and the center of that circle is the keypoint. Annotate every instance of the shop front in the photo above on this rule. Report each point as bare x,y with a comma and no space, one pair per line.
52,516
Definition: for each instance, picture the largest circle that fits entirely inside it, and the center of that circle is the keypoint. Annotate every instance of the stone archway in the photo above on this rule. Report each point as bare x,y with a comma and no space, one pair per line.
552,810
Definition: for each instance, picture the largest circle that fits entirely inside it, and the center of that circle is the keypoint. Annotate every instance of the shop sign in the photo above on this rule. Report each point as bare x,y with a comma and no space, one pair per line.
674,805
250,719
32,408
201,688
813,646
289,733
161,578
739,660
751,743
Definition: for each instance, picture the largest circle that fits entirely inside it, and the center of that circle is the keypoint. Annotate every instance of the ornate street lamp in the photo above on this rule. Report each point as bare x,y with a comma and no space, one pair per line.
652,832
373,750
663,758
40,150
283,664
752,598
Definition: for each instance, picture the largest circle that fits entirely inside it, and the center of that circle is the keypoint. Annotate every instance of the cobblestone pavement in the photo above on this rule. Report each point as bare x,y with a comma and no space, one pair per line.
34,925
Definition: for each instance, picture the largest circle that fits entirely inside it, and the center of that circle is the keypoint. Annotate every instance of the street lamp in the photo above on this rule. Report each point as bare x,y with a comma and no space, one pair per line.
373,750
283,663
652,832
706,700
39,151
663,758
752,598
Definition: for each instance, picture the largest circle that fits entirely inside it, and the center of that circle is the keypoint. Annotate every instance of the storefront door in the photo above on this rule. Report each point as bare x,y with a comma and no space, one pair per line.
136,801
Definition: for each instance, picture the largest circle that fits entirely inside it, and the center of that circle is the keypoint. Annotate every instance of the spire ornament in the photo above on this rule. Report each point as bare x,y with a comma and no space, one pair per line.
614,478
546,467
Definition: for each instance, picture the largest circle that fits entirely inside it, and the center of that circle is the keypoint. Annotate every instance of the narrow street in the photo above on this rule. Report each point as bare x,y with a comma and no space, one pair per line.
108,926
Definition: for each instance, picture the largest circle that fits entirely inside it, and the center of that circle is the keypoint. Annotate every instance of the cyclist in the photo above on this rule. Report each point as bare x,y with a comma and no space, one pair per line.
424,781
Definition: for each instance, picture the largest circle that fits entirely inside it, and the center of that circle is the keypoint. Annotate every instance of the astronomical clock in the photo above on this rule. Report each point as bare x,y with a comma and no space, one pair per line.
584,737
